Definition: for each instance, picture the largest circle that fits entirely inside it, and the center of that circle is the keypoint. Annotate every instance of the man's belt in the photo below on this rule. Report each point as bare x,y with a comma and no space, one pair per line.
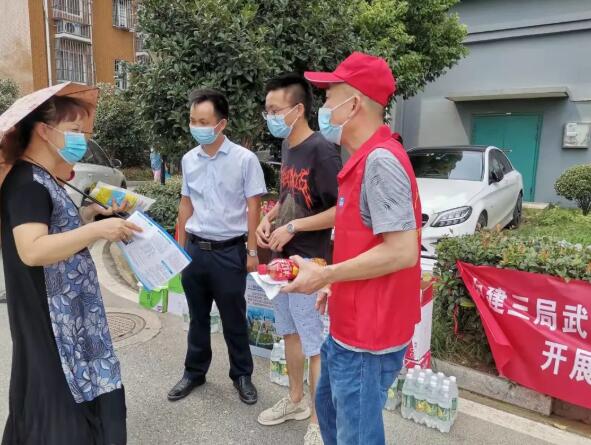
205,244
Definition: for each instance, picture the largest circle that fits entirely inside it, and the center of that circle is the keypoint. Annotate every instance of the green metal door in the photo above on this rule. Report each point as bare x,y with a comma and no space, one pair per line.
517,133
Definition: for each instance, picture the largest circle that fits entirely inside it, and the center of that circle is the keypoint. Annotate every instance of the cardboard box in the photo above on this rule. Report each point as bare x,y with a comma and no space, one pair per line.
156,300
419,350
177,303
261,320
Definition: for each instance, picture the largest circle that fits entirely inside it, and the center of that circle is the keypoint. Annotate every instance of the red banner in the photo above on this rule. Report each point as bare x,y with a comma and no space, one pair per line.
538,328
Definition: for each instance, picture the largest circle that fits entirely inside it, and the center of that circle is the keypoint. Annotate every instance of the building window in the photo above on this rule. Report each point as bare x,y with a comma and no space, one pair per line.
121,74
123,14
142,59
73,7
73,61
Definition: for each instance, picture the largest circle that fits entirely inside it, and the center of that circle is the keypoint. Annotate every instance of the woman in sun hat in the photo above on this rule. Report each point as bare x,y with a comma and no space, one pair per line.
65,384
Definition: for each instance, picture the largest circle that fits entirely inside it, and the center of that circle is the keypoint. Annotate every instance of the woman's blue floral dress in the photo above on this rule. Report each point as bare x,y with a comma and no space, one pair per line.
66,379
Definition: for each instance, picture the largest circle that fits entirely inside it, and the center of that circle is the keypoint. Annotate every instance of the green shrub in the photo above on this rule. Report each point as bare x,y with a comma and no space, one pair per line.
165,209
9,92
498,249
138,174
575,185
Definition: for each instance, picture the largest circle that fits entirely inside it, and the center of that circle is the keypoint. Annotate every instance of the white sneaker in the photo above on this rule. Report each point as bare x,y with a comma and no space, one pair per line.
285,410
313,436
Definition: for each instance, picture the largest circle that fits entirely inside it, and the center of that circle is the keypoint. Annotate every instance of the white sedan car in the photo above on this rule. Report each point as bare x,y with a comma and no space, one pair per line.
463,189
96,166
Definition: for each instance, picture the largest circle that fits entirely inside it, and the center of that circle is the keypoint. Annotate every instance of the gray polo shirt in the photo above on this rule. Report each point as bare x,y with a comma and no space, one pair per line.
386,205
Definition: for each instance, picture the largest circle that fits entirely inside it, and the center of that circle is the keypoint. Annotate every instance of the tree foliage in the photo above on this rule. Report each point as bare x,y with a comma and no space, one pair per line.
9,92
118,128
237,45
575,185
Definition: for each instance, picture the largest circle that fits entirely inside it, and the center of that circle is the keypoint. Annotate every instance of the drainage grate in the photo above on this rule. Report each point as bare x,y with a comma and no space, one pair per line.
123,325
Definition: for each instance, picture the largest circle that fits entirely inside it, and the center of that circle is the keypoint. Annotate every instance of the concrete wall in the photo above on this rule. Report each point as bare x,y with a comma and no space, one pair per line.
15,45
513,45
109,43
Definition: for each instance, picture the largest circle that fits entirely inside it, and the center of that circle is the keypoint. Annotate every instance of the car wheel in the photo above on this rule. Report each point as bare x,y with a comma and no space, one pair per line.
517,213
124,185
482,222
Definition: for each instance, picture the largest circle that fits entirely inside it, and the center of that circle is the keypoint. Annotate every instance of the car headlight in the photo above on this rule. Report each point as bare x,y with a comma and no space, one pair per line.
452,217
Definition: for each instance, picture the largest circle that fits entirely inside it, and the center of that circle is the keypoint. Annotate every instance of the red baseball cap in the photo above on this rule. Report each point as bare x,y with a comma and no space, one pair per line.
369,74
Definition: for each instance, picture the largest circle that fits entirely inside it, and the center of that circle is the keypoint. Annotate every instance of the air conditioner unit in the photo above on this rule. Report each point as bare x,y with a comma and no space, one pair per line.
72,28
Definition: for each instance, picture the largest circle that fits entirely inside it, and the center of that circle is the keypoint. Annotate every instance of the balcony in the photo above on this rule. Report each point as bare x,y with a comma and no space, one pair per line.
75,11
73,30
124,14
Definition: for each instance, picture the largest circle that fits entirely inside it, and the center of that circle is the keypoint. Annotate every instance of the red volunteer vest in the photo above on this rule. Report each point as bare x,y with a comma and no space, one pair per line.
382,312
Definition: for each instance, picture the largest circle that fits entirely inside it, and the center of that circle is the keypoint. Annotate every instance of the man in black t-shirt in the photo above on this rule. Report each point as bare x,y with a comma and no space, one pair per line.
302,222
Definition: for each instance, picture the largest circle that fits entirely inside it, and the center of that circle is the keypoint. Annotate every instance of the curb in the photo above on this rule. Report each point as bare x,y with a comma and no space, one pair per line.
105,278
496,388
136,183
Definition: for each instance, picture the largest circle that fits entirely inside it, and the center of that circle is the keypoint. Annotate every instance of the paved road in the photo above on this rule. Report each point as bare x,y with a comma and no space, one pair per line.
213,414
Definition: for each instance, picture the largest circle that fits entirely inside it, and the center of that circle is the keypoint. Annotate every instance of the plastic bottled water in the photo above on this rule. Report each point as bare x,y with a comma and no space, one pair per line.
444,410
283,378
274,364
420,411
399,385
391,399
453,392
432,403
430,399
214,317
408,395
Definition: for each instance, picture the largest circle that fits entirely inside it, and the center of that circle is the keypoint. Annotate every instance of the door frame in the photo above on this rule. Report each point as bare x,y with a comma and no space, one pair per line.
540,117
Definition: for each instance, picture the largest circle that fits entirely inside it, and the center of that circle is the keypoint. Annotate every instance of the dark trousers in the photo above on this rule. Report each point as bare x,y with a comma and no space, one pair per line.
220,276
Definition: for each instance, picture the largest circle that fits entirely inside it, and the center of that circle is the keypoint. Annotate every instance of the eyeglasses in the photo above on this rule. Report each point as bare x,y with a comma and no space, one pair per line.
266,114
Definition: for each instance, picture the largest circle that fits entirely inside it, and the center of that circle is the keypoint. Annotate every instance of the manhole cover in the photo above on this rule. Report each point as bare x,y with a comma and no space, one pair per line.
124,325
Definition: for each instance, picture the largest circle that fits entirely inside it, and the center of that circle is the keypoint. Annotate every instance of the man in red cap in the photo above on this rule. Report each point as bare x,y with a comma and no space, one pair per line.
375,278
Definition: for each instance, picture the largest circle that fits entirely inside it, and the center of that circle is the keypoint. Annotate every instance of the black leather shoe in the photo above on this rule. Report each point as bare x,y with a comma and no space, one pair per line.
246,390
184,387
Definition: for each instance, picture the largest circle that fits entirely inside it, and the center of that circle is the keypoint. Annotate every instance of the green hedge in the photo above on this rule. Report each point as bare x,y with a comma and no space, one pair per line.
492,248
165,209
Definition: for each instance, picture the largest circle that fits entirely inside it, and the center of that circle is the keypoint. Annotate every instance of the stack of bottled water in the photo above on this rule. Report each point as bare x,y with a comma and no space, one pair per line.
430,399
278,367
216,322
395,391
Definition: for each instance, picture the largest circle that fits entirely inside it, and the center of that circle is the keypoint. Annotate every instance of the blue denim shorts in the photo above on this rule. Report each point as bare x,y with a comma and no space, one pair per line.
297,314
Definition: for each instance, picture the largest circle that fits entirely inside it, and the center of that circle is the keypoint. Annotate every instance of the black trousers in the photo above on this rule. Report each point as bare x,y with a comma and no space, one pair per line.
220,276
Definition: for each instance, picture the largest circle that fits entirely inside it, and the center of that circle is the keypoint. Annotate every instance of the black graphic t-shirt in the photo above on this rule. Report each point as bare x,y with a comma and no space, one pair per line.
308,187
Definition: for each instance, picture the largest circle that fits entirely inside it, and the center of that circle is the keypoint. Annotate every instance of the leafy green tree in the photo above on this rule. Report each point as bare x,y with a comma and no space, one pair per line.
9,92
237,45
118,127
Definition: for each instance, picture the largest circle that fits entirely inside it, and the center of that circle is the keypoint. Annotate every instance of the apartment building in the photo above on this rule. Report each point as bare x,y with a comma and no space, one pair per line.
44,42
